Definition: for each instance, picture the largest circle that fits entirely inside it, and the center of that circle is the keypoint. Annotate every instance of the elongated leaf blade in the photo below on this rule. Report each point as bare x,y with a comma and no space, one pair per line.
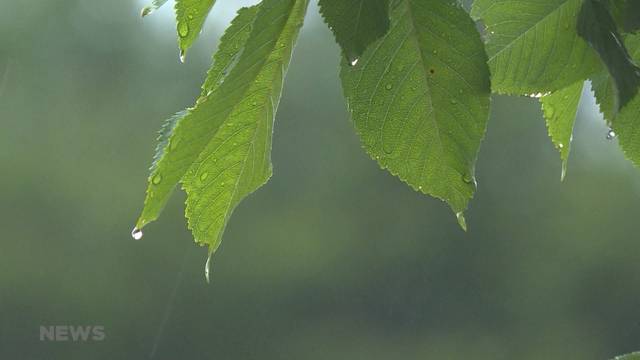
419,99
356,23
224,143
533,46
190,16
183,138
596,25
559,110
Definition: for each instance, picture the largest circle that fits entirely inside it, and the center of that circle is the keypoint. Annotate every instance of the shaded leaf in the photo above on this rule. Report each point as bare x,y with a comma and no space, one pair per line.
419,99
627,14
626,124
559,109
356,23
533,46
220,150
190,16
596,25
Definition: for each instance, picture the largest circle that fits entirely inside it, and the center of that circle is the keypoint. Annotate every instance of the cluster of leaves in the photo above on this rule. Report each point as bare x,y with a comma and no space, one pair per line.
417,76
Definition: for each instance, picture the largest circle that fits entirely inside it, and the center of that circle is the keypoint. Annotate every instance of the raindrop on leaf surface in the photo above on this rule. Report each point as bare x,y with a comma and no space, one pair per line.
611,134
156,179
183,29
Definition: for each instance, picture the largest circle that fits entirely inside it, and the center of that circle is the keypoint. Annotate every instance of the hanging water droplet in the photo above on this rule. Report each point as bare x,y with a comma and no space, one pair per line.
563,172
354,62
611,134
156,179
136,233
207,265
183,29
389,87
183,56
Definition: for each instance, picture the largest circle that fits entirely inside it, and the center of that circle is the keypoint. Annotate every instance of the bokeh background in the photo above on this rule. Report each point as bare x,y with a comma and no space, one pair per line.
333,259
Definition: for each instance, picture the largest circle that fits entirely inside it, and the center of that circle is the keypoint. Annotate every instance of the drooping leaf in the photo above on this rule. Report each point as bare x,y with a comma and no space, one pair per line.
170,164
626,123
190,16
559,109
356,23
533,45
596,25
155,5
220,150
419,99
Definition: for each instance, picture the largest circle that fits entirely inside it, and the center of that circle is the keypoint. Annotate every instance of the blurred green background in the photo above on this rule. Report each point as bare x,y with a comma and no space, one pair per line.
333,259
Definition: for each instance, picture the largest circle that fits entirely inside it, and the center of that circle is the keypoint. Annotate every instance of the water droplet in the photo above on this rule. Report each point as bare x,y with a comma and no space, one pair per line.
563,172
156,179
183,56
222,183
560,146
204,176
354,62
183,29
146,11
435,52
190,17
611,134
461,220
136,233
389,87
207,265
453,101
420,188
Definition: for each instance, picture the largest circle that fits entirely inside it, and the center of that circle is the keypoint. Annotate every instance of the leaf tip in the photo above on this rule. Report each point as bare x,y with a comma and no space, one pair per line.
461,220
147,10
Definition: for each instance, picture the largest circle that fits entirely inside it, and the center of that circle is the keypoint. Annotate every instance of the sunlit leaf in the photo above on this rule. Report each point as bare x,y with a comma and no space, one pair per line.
596,25
419,98
220,150
560,109
533,46
356,23
190,16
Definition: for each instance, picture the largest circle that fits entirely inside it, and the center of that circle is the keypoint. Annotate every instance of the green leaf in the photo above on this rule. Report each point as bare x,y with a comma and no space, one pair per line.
220,150
604,91
533,46
627,14
155,5
560,109
190,16
632,356
419,98
596,25
356,23
626,123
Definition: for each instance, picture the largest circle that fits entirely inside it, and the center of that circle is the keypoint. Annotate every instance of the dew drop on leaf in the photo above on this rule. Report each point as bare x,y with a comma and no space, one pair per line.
611,134
354,62
136,233
156,179
204,176
389,87
183,29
